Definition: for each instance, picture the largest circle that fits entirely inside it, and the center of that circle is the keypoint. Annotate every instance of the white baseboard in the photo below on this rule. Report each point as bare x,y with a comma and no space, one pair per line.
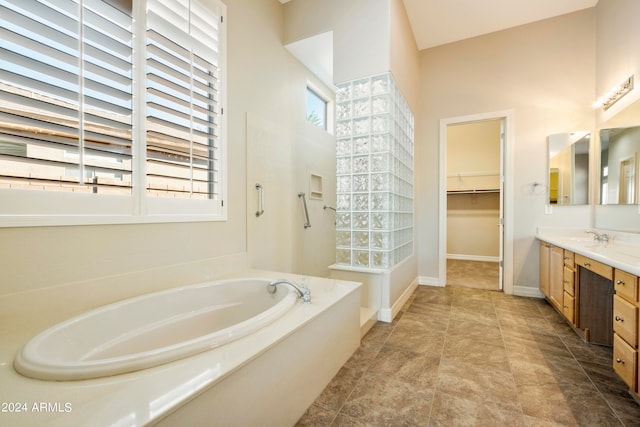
387,314
368,318
527,291
521,291
429,281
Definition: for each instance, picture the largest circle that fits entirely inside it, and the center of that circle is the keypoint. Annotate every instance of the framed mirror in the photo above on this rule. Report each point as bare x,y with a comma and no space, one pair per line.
619,175
569,168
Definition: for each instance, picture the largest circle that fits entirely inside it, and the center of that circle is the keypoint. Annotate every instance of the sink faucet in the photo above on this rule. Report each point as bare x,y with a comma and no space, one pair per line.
303,292
604,237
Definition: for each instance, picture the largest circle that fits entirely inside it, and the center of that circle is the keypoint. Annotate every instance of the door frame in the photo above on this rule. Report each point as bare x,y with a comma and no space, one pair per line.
506,183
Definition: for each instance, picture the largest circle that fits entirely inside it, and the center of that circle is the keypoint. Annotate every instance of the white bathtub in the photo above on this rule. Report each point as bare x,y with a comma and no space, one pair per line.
268,377
153,329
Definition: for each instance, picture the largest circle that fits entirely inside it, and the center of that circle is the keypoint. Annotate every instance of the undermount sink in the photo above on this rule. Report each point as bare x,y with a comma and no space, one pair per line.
582,239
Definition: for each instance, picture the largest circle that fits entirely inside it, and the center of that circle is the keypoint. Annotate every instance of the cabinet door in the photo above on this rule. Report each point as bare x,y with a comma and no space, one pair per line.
626,285
569,281
545,255
556,270
568,309
625,362
569,259
625,320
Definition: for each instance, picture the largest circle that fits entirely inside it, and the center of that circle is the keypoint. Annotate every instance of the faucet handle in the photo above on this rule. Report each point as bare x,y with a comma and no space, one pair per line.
306,292
596,235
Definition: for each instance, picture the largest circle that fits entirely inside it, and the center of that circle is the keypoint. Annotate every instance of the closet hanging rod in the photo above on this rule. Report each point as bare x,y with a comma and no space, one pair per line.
472,191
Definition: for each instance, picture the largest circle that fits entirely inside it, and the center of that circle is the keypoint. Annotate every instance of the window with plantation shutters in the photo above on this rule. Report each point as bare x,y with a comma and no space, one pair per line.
65,116
111,111
183,134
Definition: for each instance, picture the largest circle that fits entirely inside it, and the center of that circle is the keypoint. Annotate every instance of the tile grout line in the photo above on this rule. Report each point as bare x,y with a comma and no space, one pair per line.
513,377
497,308
600,393
366,369
444,343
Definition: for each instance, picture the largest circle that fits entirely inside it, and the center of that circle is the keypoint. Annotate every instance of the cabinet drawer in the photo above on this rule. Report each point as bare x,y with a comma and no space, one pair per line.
626,285
568,279
568,307
625,362
597,267
625,320
569,259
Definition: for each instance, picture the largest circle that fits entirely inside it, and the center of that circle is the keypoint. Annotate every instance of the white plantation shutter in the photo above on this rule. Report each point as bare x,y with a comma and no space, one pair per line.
65,96
183,100
111,111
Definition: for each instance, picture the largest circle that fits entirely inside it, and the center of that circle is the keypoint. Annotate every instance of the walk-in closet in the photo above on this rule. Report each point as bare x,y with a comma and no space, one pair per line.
473,204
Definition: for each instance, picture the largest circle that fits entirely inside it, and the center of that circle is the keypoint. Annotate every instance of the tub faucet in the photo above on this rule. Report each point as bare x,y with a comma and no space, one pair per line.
604,237
303,291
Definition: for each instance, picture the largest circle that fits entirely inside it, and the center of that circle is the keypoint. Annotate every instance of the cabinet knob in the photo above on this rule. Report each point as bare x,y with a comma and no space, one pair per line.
620,282
620,360
619,319
587,264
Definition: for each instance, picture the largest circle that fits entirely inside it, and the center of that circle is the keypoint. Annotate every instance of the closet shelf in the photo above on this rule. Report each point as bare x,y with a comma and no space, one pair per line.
473,182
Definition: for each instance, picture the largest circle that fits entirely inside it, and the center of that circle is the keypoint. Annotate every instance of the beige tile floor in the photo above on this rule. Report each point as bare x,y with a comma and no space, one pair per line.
473,274
468,357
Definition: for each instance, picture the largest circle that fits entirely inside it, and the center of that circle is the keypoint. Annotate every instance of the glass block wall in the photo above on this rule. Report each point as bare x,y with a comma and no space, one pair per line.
374,132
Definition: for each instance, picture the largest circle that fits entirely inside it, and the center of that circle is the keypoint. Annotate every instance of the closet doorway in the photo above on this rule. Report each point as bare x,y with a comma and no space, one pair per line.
472,218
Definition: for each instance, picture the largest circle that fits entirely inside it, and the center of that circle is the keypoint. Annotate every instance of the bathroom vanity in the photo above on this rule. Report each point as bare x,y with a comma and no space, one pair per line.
593,283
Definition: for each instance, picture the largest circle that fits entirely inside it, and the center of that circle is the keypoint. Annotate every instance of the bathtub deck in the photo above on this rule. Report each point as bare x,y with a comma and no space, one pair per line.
147,396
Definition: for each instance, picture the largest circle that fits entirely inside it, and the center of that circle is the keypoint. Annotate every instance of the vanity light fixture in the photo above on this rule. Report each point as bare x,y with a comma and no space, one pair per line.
614,95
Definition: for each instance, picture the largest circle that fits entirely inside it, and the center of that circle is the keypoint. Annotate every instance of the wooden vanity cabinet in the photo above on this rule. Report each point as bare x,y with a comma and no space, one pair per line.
626,325
595,302
569,286
545,258
626,285
557,278
588,293
625,362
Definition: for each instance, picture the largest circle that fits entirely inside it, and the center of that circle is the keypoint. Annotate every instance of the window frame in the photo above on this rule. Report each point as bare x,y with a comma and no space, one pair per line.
28,207
329,106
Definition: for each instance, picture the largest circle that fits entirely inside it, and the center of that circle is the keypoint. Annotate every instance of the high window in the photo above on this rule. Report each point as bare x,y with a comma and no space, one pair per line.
111,111
316,108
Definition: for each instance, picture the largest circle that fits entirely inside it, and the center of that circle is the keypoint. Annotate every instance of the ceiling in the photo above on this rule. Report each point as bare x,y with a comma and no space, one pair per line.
437,22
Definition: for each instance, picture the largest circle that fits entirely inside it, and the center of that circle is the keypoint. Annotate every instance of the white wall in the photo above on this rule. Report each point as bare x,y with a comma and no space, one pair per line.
360,30
472,226
370,37
263,79
404,55
545,73
473,147
281,161
618,40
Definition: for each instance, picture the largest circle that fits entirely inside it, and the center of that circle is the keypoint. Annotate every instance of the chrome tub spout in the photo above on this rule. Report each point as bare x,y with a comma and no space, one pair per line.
303,292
